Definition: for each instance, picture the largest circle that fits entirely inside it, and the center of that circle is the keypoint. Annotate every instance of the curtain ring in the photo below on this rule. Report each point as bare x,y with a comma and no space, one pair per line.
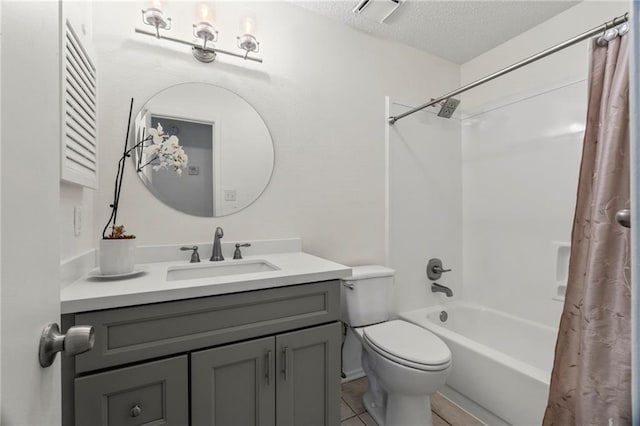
608,35
623,29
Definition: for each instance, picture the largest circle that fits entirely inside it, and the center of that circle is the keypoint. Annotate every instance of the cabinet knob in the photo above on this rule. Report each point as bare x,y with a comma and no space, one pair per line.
135,411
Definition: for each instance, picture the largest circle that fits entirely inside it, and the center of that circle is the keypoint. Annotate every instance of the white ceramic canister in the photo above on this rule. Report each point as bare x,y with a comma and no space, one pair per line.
116,256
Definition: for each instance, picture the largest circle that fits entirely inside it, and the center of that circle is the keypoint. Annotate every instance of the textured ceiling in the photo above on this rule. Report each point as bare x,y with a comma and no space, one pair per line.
455,30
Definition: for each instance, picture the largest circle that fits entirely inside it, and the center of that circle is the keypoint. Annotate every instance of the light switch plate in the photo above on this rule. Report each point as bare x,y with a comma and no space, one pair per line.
77,220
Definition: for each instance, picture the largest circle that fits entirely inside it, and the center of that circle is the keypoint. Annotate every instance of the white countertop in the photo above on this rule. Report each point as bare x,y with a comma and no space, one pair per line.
151,286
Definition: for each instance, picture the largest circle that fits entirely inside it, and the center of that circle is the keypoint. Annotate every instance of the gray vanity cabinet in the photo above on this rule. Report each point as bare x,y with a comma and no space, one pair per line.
290,379
308,387
152,393
234,384
266,357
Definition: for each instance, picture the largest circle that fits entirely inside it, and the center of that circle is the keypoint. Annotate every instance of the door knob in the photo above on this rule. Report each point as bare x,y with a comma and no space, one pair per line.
78,339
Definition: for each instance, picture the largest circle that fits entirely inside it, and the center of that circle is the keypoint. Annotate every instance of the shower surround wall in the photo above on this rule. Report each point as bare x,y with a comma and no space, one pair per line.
521,145
424,204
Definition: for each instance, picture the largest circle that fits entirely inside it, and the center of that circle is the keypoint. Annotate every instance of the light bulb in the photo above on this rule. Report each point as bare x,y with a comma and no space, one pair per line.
248,25
203,28
205,13
247,38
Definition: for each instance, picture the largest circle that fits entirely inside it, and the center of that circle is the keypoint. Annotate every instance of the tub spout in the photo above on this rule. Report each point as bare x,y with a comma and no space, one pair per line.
437,288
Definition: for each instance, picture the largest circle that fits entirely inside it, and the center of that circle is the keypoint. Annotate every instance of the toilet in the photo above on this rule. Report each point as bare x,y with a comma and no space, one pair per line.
405,364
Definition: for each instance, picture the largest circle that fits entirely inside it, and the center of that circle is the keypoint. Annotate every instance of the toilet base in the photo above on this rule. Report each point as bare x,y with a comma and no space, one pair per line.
400,411
408,410
374,410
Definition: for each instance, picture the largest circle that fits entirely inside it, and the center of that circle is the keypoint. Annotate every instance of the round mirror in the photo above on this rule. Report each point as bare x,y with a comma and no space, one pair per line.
202,149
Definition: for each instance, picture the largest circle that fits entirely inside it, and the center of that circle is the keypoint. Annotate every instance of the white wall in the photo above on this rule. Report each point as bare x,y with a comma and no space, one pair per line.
522,140
321,92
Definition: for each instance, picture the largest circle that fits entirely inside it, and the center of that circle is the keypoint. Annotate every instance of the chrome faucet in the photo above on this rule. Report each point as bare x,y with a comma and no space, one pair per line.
216,254
437,288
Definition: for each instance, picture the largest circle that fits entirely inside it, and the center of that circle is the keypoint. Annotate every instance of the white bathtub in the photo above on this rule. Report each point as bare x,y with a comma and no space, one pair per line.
501,362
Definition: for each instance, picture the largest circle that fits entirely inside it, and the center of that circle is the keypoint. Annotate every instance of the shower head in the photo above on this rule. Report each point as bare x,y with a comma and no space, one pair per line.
448,107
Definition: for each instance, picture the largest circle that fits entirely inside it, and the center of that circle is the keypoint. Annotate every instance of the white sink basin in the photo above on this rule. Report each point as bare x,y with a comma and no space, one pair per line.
219,269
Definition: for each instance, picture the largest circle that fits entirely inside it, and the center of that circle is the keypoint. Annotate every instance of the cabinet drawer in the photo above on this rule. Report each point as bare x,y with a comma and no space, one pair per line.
136,333
153,393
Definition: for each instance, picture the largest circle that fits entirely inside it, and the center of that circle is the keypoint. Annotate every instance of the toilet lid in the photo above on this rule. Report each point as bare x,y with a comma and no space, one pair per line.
409,342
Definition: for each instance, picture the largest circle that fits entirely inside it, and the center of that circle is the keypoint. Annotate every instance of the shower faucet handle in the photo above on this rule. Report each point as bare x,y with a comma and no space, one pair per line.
435,269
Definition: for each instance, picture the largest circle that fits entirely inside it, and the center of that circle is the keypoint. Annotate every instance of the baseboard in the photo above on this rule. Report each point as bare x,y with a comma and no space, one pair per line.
472,408
353,375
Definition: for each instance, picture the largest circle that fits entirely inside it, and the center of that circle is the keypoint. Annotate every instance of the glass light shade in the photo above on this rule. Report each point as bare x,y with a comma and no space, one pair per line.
154,15
205,13
248,25
203,28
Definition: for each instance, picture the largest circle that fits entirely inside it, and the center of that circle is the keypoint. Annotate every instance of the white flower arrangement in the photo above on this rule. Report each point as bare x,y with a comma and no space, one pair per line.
165,151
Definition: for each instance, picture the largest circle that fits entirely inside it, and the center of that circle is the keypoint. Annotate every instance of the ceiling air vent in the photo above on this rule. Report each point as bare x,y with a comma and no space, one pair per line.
376,10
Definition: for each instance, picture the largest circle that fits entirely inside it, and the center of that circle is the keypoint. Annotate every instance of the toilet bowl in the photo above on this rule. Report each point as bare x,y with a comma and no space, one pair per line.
405,364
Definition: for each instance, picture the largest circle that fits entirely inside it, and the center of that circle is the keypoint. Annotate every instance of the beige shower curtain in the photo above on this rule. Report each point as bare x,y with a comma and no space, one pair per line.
591,378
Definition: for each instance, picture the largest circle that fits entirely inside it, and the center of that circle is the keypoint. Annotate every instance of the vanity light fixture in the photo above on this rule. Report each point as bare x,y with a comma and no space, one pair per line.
204,32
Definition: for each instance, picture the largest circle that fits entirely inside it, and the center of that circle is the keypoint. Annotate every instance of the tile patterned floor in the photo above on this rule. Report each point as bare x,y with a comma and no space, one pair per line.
353,413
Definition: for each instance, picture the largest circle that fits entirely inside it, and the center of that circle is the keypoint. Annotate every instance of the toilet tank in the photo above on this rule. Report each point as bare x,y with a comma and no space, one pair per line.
367,295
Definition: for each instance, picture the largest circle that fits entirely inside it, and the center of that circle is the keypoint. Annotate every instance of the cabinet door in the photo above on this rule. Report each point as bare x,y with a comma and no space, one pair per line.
308,387
234,384
155,393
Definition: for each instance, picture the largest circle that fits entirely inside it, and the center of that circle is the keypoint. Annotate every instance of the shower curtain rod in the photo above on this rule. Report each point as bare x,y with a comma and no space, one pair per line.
600,28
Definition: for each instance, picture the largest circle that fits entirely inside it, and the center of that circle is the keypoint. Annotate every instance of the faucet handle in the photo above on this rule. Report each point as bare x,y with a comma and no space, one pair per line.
195,257
435,269
237,254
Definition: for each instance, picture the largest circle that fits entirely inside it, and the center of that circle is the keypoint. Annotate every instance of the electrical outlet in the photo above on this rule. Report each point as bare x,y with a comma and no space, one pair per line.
77,220
230,195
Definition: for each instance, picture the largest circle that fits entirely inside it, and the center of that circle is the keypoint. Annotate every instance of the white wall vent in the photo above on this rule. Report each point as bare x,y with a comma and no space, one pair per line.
79,113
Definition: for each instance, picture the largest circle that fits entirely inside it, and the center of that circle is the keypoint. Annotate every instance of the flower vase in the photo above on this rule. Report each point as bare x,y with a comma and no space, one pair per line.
117,256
